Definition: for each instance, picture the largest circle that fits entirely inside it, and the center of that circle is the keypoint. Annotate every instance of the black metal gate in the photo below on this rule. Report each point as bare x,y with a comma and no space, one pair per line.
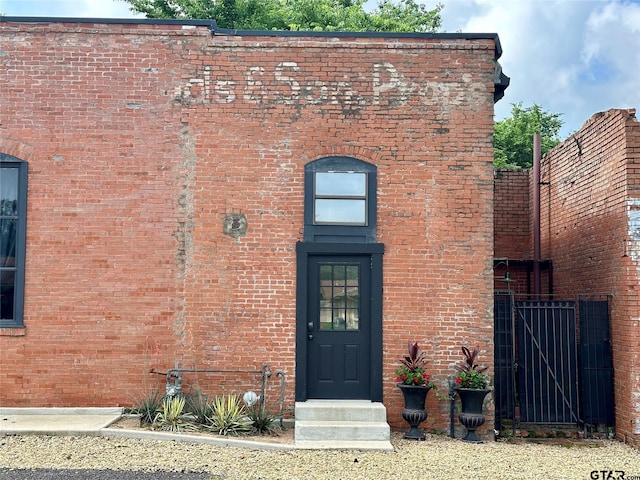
505,394
546,369
596,367
548,362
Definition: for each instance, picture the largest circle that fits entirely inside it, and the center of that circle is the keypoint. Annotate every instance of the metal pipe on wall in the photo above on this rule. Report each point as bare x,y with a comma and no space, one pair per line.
537,287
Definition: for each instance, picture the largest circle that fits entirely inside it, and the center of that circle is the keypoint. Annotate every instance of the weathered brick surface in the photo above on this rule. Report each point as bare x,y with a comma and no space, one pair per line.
513,242
589,229
511,215
140,138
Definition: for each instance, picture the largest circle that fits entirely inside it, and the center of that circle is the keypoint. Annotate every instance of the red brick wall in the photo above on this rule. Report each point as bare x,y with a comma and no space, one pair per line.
141,138
589,217
88,110
511,219
627,312
513,241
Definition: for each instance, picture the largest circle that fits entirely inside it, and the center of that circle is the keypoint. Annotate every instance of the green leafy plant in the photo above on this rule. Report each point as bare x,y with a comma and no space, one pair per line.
412,368
170,416
470,374
228,416
512,136
147,407
330,15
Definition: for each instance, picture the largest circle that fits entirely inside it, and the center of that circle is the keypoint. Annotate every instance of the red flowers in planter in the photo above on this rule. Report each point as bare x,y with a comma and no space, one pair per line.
412,368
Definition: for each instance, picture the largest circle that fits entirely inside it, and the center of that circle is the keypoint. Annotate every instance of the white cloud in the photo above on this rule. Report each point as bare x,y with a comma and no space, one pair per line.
67,8
612,52
571,57
105,9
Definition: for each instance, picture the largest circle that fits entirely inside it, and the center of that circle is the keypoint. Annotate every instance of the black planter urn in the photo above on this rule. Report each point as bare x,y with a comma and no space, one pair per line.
471,415
414,412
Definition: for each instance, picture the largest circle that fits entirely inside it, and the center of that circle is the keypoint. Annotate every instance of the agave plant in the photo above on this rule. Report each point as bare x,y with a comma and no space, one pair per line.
197,404
147,406
170,416
262,421
227,416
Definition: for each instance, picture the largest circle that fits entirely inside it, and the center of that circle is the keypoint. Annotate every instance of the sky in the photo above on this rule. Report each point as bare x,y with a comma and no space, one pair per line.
574,57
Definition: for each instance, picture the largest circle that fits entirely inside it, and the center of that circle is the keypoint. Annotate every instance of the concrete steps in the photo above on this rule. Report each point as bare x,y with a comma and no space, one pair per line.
342,424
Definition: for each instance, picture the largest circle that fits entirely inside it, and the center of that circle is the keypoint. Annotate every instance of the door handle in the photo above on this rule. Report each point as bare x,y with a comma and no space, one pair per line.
310,337
310,326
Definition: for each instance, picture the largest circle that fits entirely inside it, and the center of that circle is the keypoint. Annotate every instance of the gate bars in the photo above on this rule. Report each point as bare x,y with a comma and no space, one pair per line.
547,361
596,369
548,371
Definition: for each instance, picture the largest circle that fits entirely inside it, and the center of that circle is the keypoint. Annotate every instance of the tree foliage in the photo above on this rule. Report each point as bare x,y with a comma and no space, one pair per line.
513,136
313,15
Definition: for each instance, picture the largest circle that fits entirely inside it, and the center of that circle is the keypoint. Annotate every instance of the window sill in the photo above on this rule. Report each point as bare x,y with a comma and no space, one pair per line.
13,331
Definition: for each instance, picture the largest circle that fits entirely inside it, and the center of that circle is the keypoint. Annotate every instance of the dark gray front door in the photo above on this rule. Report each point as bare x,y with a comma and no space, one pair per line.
339,327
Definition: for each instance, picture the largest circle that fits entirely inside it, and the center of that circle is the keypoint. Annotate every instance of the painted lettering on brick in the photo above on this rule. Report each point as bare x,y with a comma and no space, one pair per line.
288,84
387,78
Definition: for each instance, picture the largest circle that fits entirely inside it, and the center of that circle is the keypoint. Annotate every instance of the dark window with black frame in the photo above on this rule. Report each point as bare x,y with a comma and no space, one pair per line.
13,221
340,201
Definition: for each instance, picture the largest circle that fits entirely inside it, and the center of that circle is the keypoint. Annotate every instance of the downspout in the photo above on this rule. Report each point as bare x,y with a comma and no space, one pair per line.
452,407
537,288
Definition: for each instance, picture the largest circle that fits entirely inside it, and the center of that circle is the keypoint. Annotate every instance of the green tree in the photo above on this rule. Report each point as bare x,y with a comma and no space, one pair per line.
513,136
315,15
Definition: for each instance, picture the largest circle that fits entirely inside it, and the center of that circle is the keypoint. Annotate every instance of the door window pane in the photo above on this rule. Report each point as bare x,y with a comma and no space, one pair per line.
339,297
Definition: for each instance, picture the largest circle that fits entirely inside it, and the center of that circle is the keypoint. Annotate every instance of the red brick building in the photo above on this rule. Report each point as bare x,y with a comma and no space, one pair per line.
188,196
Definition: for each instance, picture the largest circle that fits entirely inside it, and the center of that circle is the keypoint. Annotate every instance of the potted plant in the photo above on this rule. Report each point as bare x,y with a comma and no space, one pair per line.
413,381
471,386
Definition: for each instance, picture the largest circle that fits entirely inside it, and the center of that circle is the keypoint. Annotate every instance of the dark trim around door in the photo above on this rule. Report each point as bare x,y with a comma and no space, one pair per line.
375,251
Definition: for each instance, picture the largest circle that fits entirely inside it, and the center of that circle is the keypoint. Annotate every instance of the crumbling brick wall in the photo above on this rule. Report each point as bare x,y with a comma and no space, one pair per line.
589,204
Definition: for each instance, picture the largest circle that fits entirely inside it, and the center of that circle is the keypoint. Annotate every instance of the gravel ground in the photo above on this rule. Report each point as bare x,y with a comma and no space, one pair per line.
50,474
436,458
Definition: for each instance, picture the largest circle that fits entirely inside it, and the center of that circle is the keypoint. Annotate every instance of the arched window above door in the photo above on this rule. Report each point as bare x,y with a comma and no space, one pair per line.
340,201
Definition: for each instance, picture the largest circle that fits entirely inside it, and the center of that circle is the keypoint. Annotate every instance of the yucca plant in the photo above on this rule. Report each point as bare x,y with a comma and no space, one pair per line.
197,404
227,416
170,416
263,421
147,407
